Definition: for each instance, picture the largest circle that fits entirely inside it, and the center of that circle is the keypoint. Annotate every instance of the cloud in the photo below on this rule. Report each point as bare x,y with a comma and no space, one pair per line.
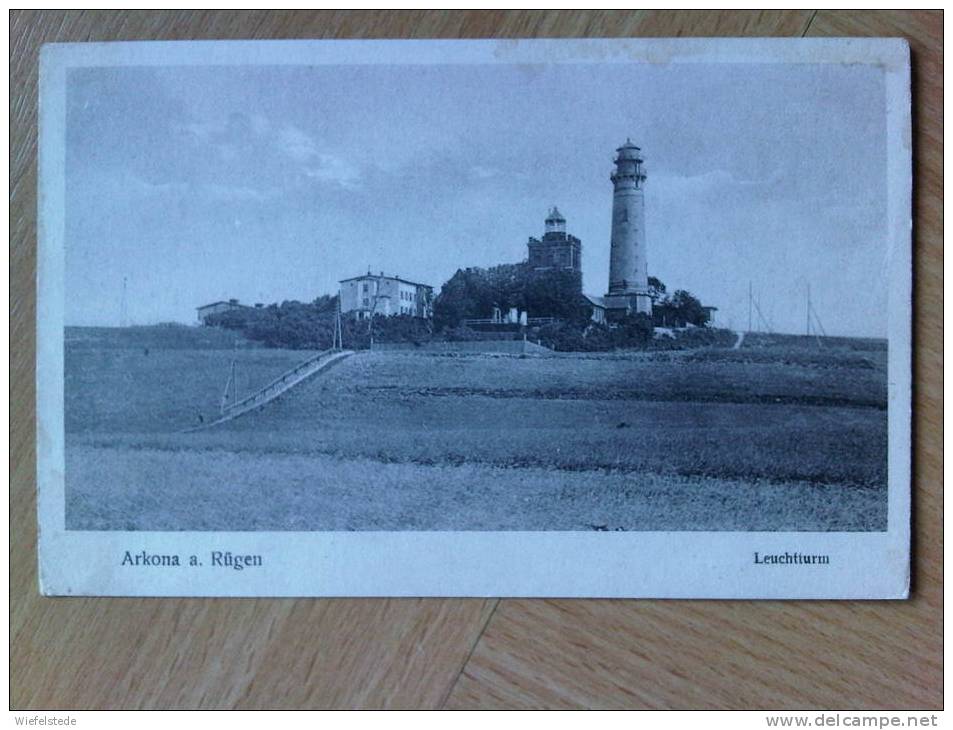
260,150
236,192
713,181
294,143
212,191
482,172
336,170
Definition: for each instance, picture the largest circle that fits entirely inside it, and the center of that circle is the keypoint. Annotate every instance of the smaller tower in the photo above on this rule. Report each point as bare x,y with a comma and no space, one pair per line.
556,249
555,223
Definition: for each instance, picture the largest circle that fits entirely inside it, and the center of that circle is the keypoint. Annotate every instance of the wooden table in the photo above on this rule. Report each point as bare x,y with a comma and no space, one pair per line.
198,653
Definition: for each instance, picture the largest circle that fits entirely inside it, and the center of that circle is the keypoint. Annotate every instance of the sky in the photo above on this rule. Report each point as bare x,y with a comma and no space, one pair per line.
270,183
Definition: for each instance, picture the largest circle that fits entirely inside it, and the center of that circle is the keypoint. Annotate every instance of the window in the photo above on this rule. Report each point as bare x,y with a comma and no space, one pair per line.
366,301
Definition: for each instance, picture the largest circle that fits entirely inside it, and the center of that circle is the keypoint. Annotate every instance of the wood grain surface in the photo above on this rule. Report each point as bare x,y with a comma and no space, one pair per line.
237,653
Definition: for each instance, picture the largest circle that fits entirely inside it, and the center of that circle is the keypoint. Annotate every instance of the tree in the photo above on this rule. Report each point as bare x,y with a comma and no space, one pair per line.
688,309
474,293
553,293
292,324
656,289
466,294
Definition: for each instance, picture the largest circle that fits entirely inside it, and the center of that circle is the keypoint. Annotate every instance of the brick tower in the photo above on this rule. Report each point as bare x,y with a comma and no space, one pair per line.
557,249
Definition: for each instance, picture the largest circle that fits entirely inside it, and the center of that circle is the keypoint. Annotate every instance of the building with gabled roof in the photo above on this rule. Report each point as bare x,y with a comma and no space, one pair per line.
371,294
208,310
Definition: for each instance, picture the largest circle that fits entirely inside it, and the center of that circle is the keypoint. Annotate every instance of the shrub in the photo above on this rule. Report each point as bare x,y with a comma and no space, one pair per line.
632,331
562,336
696,337
459,334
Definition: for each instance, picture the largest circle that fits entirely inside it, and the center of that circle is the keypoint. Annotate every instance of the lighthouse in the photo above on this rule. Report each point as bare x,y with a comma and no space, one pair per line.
628,269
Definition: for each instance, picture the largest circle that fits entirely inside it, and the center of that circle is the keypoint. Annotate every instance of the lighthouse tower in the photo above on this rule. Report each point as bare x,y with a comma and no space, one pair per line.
628,270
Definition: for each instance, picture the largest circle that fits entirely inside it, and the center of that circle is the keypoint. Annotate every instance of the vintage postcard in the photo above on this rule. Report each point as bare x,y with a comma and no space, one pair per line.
475,318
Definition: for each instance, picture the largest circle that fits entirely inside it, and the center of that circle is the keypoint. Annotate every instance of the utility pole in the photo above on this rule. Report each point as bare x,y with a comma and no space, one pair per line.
808,330
749,305
337,340
230,396
814,321
123,308
762,320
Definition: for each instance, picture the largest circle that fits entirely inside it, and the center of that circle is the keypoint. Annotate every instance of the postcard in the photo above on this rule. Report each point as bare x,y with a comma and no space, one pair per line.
609,318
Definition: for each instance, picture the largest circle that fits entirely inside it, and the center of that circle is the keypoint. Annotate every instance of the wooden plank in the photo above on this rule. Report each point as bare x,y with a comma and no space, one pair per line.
719,655
755,655
199,653
677,23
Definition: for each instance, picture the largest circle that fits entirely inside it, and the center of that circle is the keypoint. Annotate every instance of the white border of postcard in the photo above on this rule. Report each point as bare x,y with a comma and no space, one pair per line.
609,564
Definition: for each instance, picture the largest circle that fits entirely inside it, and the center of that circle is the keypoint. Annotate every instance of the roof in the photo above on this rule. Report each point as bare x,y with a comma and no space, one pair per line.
595,301
231,304
629,151
369,275
555,215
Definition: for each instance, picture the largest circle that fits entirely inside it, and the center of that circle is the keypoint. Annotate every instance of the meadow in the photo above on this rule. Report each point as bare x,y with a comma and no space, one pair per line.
779,435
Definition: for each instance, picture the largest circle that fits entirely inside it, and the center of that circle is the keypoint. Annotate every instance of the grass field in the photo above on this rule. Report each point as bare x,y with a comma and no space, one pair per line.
781,435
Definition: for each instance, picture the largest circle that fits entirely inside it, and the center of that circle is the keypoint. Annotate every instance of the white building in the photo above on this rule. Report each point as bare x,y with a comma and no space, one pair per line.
390,296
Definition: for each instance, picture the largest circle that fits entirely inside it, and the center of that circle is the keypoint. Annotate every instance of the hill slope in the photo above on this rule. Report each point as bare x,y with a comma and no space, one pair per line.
393,441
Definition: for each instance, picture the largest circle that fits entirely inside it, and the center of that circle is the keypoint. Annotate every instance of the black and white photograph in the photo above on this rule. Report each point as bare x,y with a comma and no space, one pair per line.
632,318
